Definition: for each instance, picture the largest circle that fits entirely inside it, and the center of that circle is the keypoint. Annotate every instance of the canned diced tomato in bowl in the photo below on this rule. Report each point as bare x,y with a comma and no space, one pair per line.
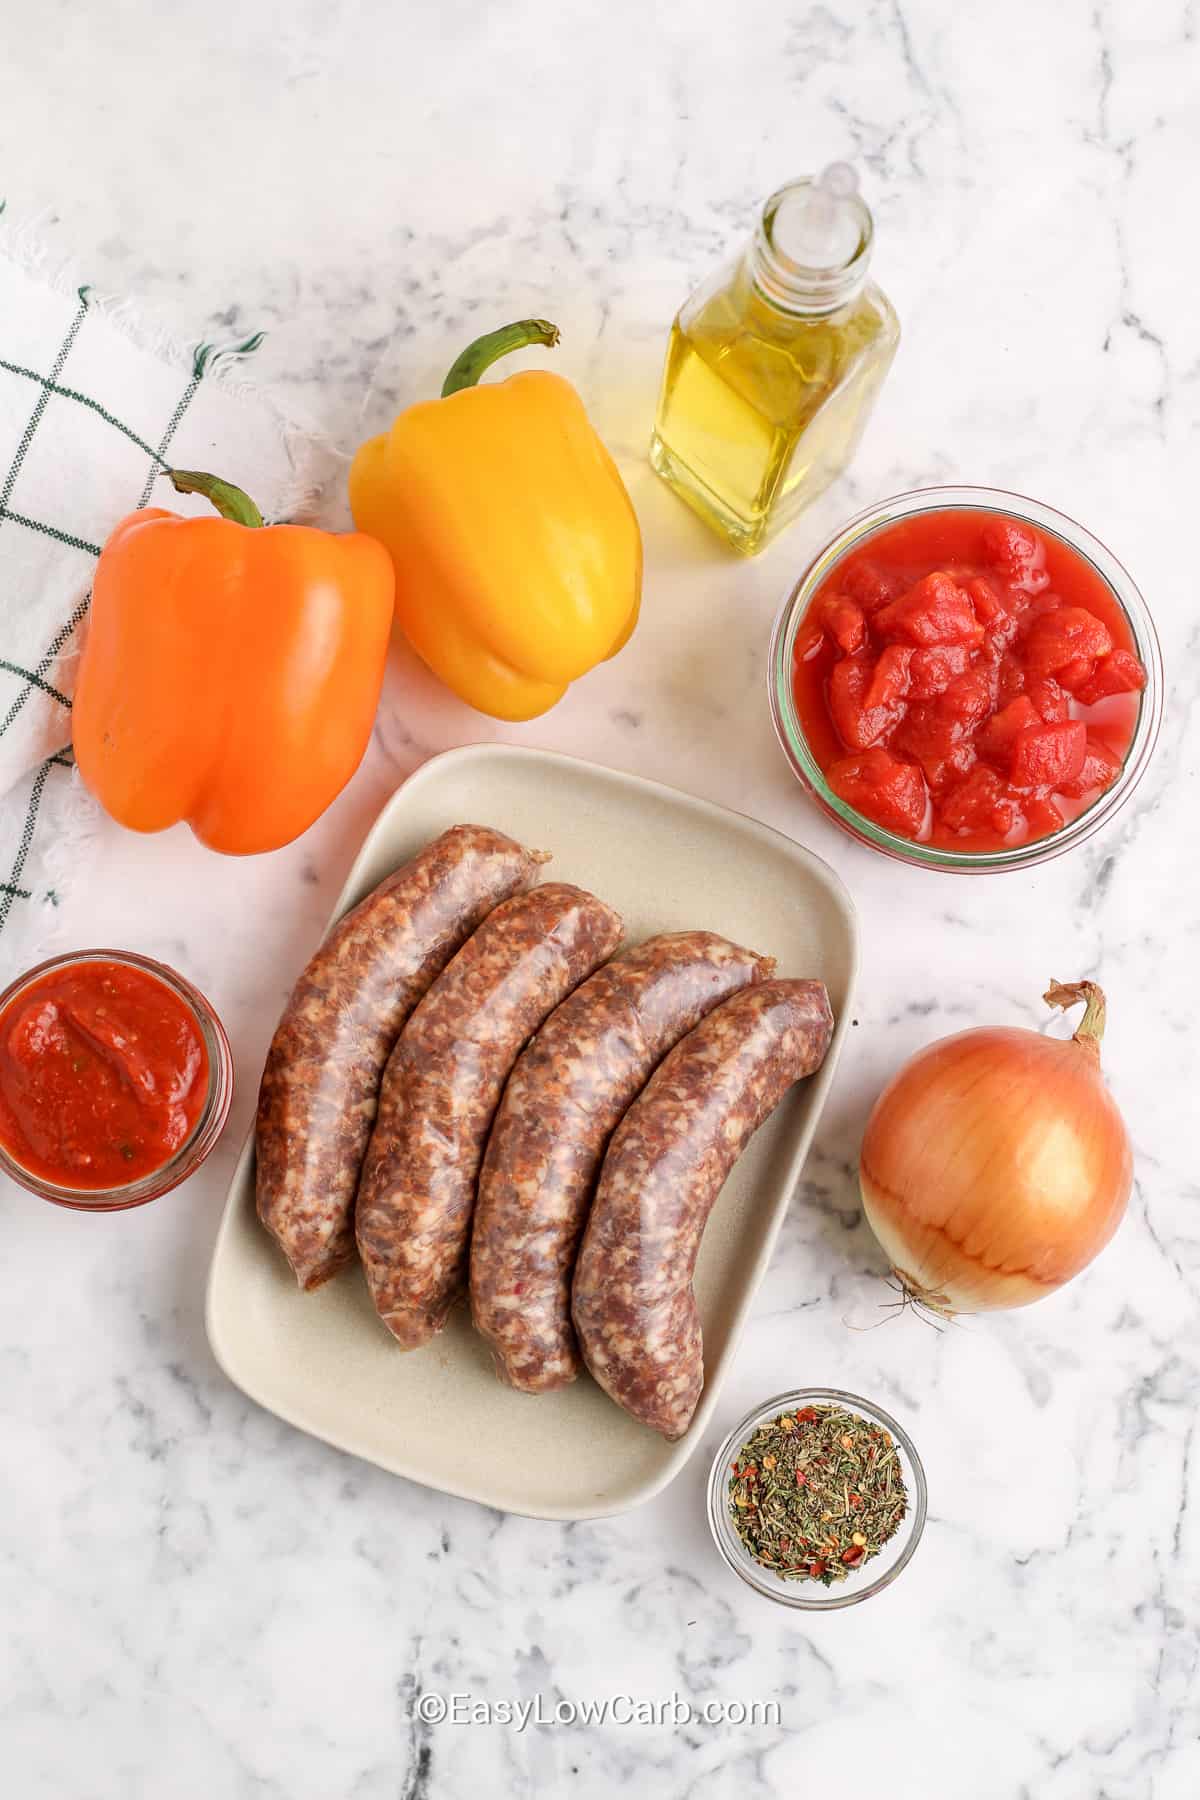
967,680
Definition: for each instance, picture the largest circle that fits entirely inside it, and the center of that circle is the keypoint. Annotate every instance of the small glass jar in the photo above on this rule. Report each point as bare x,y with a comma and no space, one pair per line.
861,1583
774,365
852,537
209,1124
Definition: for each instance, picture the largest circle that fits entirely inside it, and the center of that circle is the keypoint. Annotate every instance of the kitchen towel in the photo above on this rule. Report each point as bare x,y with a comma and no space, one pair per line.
93,407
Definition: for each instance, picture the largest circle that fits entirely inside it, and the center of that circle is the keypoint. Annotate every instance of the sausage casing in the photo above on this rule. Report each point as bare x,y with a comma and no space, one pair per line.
632,1299
441,1089
316,1104
564,1099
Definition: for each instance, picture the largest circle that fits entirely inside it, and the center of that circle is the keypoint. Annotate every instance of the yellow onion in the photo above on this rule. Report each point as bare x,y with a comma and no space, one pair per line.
996,1165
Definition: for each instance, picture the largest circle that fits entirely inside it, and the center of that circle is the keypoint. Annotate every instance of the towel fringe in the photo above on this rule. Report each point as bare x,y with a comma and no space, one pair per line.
311,454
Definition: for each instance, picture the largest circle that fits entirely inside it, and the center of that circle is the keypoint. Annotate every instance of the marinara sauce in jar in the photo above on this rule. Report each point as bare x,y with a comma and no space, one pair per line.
967,680
115,1079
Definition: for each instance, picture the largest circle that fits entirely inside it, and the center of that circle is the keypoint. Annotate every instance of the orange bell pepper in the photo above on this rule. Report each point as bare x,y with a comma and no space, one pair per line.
517,552
231,670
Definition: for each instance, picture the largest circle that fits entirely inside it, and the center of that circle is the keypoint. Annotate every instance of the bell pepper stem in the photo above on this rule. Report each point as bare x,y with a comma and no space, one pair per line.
229,501
488,349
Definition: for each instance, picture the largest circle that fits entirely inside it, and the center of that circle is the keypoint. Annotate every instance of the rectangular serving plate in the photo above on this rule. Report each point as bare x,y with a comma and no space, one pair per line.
323,1362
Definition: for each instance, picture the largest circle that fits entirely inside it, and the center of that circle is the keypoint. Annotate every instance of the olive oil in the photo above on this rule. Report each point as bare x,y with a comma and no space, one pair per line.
774,365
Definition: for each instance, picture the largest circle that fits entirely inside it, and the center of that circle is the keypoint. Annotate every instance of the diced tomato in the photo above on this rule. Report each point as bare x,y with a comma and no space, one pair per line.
1034,605
936,741
859,724
1048,755
985,599
1042,816
983,802
1010,678
1017,552
942,772
933,611
968,699
1065,636
989,669
1052,701
844,622
869,586
996,737
931,671
882,788
1009,545
1118,673
927,732
891,680
849,680
1100,769
1003,630
1077,674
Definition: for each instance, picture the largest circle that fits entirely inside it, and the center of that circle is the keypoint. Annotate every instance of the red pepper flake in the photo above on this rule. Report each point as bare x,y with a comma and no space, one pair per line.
817,1569
801,1478
856,1499
853,1555
806,1415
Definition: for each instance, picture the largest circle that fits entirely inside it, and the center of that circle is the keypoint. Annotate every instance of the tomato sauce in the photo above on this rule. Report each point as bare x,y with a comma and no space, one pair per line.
966,681
103,1075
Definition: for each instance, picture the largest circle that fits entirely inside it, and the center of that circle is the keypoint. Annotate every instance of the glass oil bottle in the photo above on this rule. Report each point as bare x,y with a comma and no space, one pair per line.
774,364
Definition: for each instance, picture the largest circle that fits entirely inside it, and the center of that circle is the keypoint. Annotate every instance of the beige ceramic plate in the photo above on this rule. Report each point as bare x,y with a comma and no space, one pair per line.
438,1415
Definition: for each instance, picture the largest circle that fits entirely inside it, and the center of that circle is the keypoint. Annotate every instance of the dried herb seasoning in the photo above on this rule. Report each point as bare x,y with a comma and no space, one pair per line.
817,1492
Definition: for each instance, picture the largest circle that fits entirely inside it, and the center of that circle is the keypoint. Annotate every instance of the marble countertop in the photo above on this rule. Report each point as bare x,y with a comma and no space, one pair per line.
197,1601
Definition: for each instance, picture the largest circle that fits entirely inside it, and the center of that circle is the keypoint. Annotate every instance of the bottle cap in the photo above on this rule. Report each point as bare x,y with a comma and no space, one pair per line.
813,244
815,227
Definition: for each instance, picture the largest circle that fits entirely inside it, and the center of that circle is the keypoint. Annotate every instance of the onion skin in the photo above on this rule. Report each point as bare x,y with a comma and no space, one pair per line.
996,1164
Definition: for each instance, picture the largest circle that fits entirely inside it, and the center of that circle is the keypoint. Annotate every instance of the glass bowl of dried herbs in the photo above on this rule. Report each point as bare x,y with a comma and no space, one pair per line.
817,1499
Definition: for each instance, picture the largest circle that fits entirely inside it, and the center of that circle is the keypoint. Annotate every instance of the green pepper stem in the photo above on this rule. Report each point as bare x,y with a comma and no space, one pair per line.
1091,1026
489,349
229,501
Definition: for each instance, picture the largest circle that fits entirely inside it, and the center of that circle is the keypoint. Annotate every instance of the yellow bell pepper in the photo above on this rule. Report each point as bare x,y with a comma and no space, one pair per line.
517,552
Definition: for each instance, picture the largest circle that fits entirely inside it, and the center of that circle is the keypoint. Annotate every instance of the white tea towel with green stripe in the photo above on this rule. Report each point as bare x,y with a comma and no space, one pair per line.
92,410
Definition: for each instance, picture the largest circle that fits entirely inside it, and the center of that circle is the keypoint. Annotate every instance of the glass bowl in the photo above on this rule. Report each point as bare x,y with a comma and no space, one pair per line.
853,536
213,1113
860,1584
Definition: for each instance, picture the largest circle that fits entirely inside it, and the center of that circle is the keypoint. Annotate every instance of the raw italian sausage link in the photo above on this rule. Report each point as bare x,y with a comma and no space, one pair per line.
633,1304
440,1092
319,1089
565,1097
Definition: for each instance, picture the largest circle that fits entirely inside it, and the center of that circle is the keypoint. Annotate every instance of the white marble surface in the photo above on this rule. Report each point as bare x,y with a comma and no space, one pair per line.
198,1601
